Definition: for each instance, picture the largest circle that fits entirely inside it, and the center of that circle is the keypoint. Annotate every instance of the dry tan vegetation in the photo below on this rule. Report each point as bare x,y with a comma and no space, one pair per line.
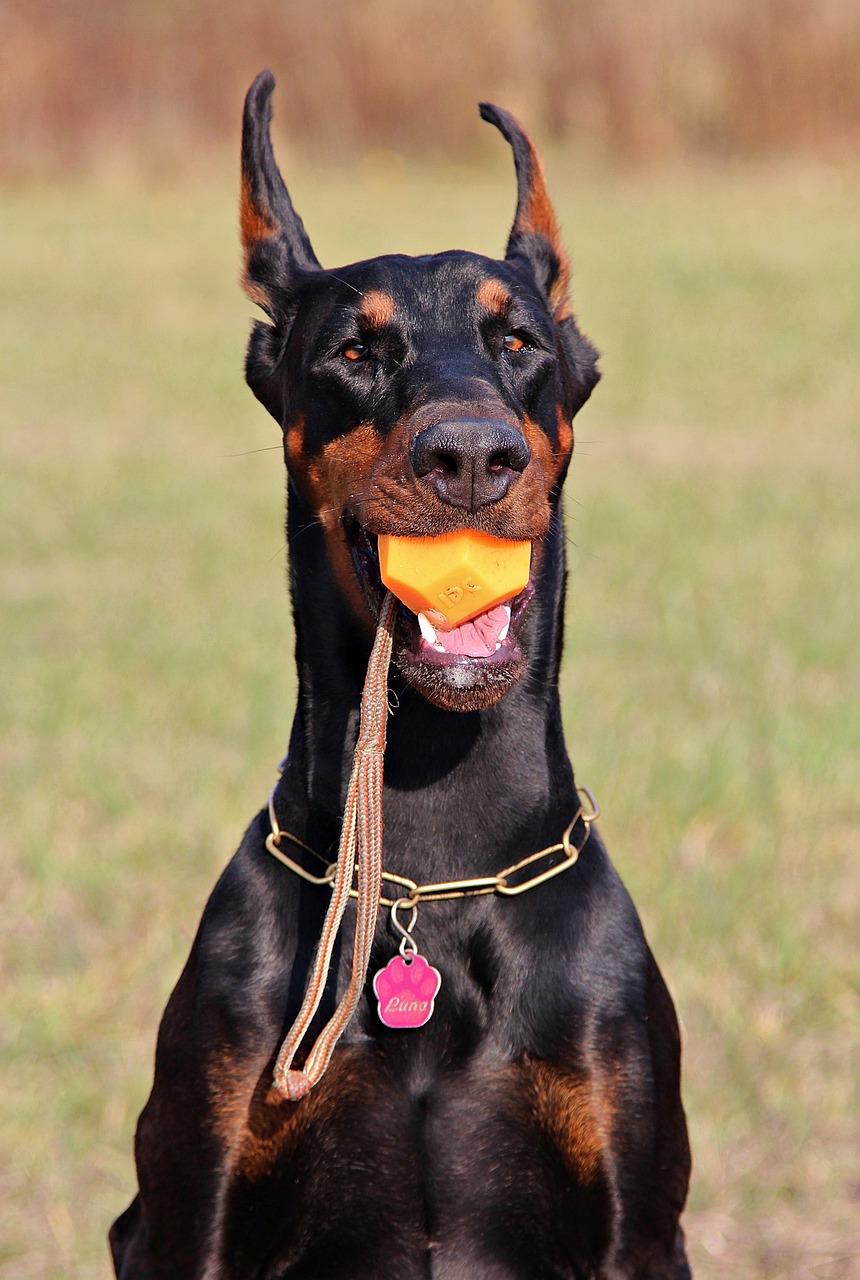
84,80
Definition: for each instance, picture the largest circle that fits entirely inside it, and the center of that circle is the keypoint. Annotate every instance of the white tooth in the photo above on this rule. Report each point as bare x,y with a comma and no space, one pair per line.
428,631
503,634
498,646
440,648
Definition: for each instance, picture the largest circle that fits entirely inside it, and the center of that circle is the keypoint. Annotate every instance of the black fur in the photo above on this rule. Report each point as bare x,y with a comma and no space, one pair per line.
533,1128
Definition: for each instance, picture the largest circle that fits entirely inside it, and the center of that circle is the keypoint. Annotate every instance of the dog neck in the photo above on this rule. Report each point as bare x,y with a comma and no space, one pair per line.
463,790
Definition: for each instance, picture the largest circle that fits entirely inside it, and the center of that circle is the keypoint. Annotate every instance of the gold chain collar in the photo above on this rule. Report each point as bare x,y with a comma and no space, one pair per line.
445,889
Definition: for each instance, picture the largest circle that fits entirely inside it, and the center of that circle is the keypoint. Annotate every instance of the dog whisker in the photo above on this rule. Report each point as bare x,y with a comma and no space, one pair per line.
282,550
246,453
341,280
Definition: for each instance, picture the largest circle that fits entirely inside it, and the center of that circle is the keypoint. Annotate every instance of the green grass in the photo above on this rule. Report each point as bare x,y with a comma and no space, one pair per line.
710,683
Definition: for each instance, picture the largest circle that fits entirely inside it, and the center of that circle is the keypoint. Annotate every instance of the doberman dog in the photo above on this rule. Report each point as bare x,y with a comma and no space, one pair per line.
533,1128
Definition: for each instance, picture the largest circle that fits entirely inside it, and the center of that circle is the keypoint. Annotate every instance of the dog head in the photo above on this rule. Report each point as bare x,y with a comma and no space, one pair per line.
418,396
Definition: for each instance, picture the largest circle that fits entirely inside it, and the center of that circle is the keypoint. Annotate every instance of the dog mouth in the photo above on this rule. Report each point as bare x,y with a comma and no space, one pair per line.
462,668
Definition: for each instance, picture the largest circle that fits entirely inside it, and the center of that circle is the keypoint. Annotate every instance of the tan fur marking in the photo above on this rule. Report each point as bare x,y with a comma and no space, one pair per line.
345,466
551,460
231,1089
542,452
377,308
254,291
565,437
273,1125
538,218
341,474
493,297
255,225
255,1124
294,443
576,1113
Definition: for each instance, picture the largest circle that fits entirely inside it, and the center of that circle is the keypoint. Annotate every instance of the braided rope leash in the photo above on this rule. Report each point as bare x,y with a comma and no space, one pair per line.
360,849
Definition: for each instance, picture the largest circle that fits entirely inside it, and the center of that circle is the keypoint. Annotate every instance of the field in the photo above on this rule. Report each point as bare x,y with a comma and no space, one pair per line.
710,681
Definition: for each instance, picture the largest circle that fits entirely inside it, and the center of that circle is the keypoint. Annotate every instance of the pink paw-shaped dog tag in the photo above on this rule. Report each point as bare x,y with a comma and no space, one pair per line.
406,990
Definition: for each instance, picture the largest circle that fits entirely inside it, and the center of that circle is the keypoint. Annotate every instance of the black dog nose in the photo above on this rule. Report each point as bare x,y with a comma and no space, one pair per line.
470,462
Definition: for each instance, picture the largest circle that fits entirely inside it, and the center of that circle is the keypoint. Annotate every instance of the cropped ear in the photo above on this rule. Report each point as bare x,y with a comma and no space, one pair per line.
277,251
535,239
534,235
276,246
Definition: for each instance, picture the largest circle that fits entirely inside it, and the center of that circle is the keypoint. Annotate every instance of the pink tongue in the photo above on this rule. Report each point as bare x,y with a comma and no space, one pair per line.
478,638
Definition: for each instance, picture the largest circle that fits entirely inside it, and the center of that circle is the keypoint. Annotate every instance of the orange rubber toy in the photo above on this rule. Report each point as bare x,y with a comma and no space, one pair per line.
455,577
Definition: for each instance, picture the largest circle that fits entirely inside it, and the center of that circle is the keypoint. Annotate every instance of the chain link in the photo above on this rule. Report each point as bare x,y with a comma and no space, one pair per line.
444,890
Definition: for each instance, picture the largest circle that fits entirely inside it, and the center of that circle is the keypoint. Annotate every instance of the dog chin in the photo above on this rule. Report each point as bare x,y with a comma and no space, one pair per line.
470,684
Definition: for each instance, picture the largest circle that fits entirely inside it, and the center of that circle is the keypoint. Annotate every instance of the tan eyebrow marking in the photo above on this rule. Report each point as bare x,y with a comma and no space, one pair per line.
376,308
493,296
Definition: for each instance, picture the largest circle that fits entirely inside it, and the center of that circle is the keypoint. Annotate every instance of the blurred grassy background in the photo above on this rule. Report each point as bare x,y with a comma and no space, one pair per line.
711,676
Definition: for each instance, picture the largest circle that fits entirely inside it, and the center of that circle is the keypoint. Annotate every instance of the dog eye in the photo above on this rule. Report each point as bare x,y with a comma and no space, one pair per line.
356,351
513,341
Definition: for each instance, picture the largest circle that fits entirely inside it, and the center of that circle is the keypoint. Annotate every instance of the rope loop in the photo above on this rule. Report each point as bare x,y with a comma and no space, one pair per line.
361,849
